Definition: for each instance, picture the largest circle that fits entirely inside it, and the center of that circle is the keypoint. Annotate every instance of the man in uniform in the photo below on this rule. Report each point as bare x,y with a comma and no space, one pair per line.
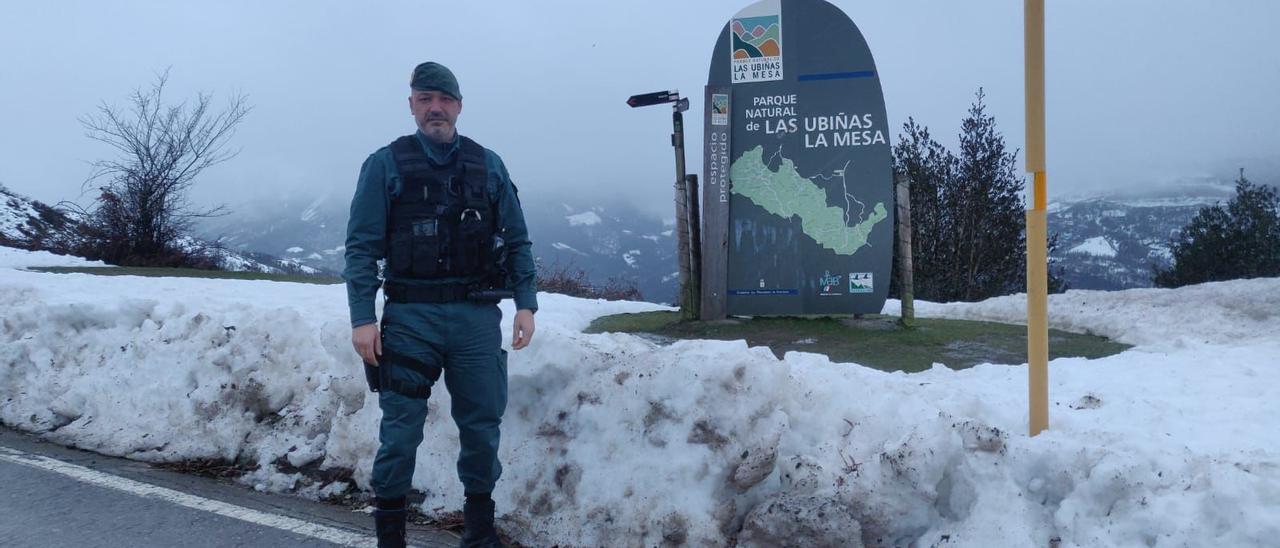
444,214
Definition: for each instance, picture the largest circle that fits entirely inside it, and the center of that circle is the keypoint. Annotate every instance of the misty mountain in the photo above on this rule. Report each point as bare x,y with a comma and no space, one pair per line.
1113,241
614,241
307,230
1105,242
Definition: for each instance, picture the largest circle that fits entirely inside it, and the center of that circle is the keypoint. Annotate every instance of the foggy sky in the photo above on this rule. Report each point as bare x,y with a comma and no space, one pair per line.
1138,92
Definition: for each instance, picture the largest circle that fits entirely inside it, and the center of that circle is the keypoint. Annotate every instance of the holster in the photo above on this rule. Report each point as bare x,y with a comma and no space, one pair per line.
379,376
371,376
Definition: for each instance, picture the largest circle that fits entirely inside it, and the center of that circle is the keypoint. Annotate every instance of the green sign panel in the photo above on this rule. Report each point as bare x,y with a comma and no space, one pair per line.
798,185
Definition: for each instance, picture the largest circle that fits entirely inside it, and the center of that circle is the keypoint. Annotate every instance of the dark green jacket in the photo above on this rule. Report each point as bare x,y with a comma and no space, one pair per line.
367,228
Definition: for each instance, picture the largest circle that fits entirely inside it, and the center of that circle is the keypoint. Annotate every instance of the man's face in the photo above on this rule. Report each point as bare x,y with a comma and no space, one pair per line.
436,113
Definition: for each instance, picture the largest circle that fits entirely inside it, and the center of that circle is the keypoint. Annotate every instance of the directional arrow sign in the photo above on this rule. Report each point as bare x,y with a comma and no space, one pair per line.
655,98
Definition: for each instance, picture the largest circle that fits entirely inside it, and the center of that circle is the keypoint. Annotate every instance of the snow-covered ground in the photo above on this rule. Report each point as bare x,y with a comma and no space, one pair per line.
612,440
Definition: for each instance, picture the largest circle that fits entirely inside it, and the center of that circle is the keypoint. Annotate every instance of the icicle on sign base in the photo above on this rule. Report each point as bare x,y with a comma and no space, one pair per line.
798,177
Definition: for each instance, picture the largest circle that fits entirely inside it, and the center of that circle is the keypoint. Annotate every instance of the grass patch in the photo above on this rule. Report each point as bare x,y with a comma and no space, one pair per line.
186,273
875,341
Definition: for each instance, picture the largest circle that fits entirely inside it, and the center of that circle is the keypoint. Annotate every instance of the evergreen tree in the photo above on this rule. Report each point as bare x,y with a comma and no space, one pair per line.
968,224
990,240
931,169
1240,240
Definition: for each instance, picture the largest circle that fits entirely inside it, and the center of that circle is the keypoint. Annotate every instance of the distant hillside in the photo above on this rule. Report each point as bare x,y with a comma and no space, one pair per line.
613,241
29,224
1112,241
32,225
1107,242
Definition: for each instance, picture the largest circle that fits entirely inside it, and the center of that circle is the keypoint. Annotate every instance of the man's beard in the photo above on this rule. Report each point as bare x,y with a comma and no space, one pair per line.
438,133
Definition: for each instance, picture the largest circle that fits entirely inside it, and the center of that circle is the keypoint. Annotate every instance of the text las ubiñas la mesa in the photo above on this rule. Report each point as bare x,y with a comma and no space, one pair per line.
776,114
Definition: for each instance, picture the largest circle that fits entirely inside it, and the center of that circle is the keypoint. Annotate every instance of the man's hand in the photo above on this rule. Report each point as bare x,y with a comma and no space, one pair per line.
522,329
368,344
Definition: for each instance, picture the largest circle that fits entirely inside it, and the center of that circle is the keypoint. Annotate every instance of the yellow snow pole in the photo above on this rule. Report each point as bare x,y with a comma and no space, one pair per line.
1037,229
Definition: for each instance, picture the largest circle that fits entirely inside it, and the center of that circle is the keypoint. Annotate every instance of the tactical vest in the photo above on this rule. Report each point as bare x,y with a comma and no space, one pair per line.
442,224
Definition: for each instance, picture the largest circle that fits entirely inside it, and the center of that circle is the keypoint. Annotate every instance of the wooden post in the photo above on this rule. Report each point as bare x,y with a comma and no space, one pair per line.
682,246
687,229
905,289
688,306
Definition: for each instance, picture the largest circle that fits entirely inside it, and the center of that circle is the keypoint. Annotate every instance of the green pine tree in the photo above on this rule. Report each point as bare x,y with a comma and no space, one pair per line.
968,237
930,168
990,240
1238,240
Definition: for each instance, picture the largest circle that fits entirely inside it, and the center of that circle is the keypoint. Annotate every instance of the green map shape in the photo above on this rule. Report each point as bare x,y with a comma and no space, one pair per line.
786,194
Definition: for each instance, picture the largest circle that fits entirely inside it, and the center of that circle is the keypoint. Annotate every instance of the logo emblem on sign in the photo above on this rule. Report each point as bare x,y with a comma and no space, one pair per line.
755,43
829,284
719,109
861,282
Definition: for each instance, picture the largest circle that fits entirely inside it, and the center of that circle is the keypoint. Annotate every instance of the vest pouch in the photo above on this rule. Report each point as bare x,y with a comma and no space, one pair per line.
442,223
473,240
426,247
400,256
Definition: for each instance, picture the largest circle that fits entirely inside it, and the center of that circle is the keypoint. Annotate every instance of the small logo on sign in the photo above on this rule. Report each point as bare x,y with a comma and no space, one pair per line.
861,282
719,109
829,284
755,43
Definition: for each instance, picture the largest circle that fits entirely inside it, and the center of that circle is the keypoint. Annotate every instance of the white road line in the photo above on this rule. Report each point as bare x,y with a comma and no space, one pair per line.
101,479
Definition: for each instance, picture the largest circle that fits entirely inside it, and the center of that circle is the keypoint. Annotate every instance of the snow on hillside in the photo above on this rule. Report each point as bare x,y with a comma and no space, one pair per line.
613,440
240,262
245,261
587,218
313,208
1108,244
1176,201
14,213
631,257
566,247
1097,246
29,224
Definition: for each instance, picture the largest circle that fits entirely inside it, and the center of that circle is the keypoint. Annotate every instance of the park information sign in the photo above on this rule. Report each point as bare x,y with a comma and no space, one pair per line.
798,192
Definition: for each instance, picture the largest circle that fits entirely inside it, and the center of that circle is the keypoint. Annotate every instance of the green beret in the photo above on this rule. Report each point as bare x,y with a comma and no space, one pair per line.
431,75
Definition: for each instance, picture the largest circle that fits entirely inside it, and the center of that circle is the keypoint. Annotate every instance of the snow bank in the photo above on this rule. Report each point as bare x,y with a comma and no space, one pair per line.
20,258
611,440
1211,313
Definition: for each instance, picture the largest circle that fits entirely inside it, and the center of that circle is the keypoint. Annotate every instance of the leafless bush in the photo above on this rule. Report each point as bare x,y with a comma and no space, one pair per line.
141,213
568,279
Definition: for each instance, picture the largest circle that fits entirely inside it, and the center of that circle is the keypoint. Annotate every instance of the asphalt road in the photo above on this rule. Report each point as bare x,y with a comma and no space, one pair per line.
54,496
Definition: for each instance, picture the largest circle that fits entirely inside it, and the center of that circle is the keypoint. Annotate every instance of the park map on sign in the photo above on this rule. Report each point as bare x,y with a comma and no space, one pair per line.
786,194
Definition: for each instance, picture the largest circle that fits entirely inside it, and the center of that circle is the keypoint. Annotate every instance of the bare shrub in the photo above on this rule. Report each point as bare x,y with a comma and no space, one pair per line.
568,279
141,216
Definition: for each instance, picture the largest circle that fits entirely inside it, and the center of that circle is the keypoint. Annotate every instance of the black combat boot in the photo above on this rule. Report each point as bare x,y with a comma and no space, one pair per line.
477,517
388,519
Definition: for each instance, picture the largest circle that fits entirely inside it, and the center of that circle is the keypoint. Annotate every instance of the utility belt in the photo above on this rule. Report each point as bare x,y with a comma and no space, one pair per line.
443,293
